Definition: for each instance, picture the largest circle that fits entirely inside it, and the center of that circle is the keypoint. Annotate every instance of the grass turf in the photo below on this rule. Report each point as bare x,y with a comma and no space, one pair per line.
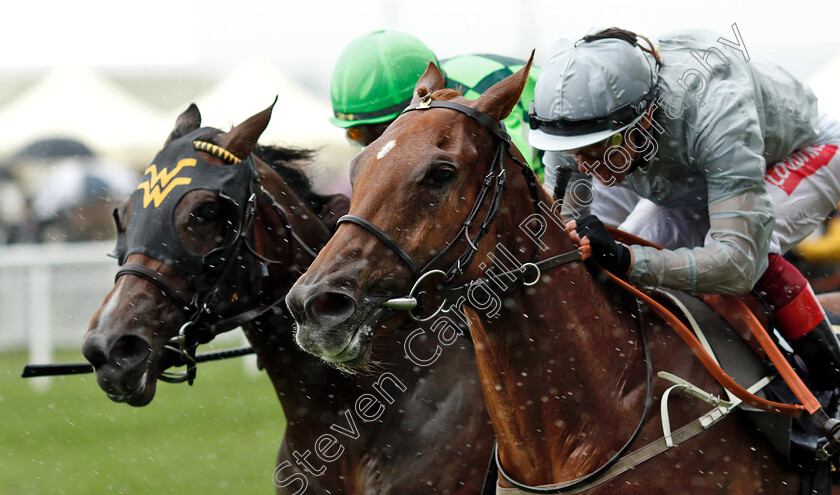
219,436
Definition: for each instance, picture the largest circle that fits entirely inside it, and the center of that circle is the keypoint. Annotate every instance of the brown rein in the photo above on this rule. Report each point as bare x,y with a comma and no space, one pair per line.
809,402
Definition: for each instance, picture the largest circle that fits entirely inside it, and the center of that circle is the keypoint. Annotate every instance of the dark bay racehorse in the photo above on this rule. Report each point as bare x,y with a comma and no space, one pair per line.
560,352
215,237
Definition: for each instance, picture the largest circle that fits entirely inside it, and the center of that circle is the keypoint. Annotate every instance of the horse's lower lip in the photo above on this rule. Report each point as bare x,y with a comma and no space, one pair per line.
358,343
355,347
141,388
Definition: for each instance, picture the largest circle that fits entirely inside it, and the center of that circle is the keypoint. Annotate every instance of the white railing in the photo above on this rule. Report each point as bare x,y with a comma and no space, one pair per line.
49,292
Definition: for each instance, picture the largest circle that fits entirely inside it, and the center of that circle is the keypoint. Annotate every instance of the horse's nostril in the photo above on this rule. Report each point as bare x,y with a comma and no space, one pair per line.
93,351
332,305
129,350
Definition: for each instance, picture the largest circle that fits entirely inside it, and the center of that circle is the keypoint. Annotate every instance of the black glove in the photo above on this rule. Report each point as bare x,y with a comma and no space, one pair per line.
608,253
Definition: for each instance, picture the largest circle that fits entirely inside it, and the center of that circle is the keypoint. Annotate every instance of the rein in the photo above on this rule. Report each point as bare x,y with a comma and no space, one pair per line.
619,463
809,402
33,370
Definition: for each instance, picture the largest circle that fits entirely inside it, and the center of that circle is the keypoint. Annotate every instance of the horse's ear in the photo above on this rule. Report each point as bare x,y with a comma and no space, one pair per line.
431,81
187,122
499,100
242,139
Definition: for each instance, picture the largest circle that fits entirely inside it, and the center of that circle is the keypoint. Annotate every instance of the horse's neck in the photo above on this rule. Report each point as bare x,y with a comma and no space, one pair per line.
548,363
273,237
308,389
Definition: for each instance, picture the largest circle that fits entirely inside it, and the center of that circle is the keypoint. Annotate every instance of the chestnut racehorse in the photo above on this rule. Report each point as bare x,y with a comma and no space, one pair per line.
438,204
230,237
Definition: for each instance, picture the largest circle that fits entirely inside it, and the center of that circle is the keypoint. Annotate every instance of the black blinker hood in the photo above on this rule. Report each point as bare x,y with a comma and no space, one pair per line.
177,170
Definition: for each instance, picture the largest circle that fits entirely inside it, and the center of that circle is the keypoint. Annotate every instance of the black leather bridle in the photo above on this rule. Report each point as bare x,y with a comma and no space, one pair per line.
494,181
203,324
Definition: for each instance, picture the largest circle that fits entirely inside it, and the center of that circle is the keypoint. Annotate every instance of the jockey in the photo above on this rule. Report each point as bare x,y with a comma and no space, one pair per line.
374,79
734,161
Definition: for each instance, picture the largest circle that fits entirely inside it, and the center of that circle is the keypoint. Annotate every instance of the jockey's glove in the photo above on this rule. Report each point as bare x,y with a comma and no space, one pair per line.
609,254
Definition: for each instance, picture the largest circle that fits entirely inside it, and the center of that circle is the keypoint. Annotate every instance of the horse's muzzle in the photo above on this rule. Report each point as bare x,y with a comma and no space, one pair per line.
323,316
121,366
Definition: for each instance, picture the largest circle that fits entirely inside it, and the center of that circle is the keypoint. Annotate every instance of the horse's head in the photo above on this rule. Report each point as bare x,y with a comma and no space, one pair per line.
413,189
183,245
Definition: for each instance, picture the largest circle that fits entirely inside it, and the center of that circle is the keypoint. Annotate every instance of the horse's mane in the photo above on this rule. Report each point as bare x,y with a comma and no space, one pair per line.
288,162
445,94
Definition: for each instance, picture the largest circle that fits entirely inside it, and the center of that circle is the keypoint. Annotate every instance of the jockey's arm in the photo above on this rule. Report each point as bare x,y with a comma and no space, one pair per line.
730,264
726,146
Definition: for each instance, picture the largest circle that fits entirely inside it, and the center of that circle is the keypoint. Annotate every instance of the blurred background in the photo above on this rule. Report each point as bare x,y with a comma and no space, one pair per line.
88,92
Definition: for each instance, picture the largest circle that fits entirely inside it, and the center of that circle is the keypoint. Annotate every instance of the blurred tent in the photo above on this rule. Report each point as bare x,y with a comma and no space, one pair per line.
824,84
53,148
29,165
72,104
299,118
76,103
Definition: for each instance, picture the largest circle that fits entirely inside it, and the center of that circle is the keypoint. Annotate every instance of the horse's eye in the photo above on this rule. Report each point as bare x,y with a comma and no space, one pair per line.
206,213
441,176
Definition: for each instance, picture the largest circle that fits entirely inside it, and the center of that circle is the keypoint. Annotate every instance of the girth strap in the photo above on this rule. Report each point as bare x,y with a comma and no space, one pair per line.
631,460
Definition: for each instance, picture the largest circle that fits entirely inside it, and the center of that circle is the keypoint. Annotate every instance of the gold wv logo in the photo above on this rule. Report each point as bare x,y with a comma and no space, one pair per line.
161,183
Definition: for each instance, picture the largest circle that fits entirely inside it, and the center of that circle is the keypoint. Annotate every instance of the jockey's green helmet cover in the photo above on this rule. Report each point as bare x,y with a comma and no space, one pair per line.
374,77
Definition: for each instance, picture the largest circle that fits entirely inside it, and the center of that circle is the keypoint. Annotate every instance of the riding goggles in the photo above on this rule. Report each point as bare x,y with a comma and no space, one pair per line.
615,120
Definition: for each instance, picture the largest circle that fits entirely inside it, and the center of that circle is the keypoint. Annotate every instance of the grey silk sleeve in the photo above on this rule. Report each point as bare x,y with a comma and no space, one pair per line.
730,264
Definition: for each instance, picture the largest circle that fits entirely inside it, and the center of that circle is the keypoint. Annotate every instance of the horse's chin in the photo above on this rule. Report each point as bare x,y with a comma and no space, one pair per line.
353,365
356,354
140,395
141,392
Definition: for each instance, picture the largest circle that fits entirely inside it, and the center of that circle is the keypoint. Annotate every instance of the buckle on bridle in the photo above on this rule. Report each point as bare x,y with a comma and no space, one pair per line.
188,355
425,103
